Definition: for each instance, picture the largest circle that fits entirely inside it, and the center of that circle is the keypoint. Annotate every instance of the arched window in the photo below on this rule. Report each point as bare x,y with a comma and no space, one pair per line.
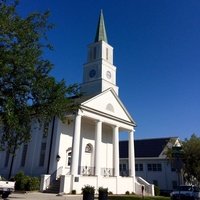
68,157
110,107
88,148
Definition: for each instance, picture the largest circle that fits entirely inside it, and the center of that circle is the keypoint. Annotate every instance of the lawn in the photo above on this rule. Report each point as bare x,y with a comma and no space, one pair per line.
134,197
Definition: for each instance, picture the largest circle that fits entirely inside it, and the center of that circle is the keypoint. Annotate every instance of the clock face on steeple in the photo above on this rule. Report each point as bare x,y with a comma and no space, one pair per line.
92,73
108,74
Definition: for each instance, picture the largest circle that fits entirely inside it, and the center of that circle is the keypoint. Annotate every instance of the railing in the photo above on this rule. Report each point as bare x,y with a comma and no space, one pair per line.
90,171
87,171
54,176
148,188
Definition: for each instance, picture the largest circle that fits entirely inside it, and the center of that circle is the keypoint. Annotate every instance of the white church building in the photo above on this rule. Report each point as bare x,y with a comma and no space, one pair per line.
84,150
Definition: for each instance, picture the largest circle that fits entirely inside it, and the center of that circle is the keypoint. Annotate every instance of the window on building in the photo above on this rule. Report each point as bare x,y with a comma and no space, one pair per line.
123,169
24,152
159,167
90,54
106,53
42,154
95,53
154,167
110,107
45,129
68,157
139,167
149,167
7,159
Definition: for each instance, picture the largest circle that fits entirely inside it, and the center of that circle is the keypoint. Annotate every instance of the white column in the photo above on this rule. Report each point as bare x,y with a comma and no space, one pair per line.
131,154
116,150
76,145
98,148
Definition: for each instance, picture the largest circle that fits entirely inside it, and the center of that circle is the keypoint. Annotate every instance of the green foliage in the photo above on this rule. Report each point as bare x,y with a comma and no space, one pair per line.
21,181
130,197
187,159
88,189
127,193
27,89
110,193
73,191
191,159
157,190
33,184
26,183
102,189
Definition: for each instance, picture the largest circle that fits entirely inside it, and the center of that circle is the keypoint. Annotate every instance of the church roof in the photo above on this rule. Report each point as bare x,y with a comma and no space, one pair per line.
145,148
99,102
101,30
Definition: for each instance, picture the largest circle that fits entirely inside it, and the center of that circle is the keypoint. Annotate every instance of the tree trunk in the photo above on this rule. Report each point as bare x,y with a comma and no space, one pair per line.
12,162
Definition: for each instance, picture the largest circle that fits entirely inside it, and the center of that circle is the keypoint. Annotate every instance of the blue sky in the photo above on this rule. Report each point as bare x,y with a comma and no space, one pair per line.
156,52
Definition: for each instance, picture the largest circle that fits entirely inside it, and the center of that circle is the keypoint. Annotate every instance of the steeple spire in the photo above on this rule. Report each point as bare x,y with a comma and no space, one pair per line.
101,30
99,73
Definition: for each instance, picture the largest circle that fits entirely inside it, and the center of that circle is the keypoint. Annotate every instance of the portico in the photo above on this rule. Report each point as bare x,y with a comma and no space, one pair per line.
111,127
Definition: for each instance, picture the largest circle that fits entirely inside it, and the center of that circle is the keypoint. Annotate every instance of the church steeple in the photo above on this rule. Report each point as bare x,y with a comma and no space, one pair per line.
101,30
99,73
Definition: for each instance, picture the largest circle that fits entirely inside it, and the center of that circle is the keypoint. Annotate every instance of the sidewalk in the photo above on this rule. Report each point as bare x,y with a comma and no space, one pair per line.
42,196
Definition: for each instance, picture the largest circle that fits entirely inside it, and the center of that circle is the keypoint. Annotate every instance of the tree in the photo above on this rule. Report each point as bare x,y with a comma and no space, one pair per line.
186,158
191,159
27,90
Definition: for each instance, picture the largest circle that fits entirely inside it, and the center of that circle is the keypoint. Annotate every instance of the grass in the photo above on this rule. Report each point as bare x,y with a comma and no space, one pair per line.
134,197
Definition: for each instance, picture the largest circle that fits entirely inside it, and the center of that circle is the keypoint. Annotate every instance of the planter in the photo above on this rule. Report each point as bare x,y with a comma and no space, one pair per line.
88,192
103,195
88,196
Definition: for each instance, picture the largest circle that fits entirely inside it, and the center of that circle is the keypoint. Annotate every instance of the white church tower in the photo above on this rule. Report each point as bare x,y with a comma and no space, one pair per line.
99,72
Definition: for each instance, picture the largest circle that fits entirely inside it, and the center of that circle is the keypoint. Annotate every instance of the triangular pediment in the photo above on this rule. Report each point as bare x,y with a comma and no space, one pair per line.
108,103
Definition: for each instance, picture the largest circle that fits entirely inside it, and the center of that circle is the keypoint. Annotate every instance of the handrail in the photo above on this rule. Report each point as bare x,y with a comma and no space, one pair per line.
149,188
54,176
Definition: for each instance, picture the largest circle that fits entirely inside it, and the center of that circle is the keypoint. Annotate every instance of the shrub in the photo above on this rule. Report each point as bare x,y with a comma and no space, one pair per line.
88,192
21,181
127,192
133,193
130,197
88,189
73,191
110,193
157,190
26,183
33,184
101,189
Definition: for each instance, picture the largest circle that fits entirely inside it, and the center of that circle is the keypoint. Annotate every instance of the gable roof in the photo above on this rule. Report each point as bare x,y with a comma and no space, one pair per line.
145,148
107,102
